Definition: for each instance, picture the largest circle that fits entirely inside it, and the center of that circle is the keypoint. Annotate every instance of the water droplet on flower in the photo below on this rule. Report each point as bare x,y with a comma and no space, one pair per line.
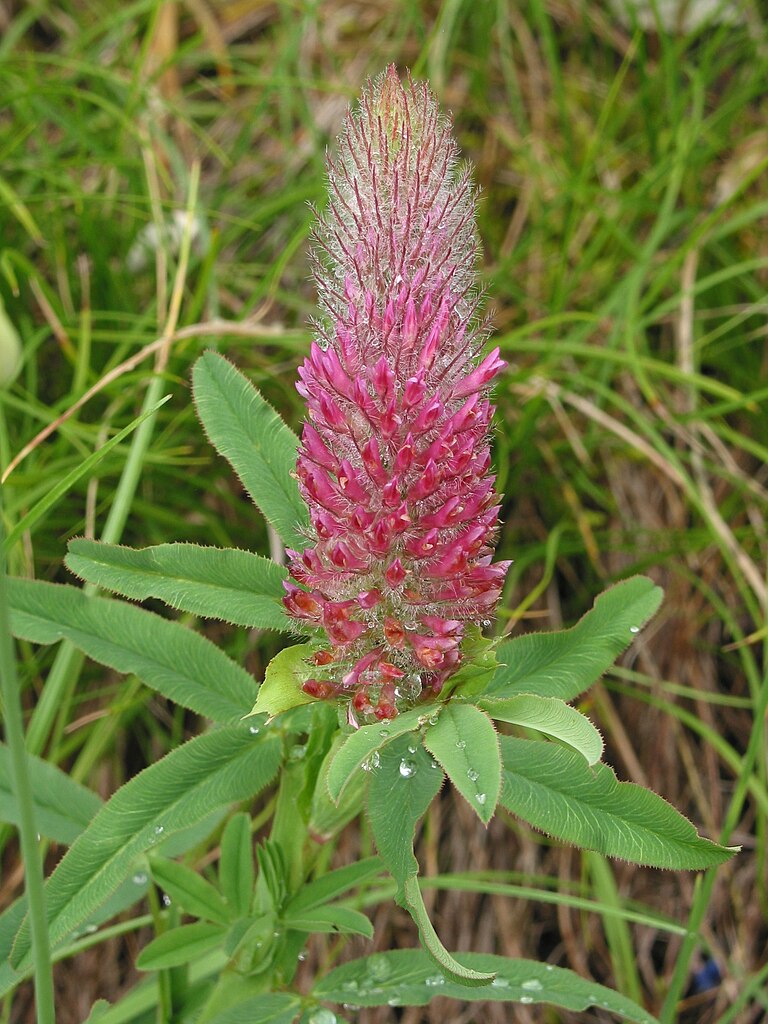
472,775
481,798
434,980
499,982
532,985
634,629
139,878
407,768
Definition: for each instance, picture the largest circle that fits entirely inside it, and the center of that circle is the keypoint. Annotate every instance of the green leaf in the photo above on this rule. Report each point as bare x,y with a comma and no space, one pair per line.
555,791
329,919
465,743
180,946
283,681
215,583
177,662
550,716
211,771
63,808
361,746
247,431
400,790
270,1008
566,663
190,891
407,977
236,873
336,883
402,787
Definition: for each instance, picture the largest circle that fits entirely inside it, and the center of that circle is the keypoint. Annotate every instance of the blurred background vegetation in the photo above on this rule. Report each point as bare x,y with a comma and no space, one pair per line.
621,149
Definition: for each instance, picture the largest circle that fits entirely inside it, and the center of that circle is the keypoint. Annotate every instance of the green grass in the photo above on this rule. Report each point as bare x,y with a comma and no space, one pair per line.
623,220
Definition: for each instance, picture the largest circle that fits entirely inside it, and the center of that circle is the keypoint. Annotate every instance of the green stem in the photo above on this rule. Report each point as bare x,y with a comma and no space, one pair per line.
33,868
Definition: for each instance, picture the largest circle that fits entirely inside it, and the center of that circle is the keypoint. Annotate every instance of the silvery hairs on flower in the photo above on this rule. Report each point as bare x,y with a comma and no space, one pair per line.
394,458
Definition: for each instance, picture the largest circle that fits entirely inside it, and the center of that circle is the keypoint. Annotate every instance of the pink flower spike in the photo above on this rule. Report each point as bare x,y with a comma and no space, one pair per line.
394,460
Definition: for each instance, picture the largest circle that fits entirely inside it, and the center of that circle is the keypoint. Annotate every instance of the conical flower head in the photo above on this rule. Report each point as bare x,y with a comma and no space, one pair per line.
394,460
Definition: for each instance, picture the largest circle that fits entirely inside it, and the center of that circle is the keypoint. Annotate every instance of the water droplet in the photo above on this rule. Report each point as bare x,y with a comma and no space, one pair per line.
90,929
350,986
499,982
533,985
472,775
433,764
353,1007
411,750
139,878
379,968
434,980
395,1001
526,999
461,744
296,753
481,798
254,730
383,733
302,956
159,829
433,718
549,967
407,768
166,900
634,629
321,1016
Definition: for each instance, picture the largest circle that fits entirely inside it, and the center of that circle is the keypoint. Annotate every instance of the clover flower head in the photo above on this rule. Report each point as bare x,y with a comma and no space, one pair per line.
394,458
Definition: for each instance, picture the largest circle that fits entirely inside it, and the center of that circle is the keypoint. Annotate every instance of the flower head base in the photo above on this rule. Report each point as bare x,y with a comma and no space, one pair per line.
395,454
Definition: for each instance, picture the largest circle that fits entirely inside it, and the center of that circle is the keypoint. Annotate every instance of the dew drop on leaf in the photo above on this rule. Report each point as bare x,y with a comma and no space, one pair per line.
533,985
407,768
481,798
139,878
634,629
322,1016
499,982
472,775
526,999
434,980
461,744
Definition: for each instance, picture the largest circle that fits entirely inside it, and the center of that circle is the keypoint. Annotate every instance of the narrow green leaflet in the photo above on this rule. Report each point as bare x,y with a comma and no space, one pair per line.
190,891
283,681
63,808
247,431
174,660
330,919
566,663
236,872
465,743
270,1008
215,583
361,747
211,771
554,790
407,977
334,884
550,716
180,946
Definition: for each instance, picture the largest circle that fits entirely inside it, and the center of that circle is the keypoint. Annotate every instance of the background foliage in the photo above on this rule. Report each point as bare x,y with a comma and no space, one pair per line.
623,221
